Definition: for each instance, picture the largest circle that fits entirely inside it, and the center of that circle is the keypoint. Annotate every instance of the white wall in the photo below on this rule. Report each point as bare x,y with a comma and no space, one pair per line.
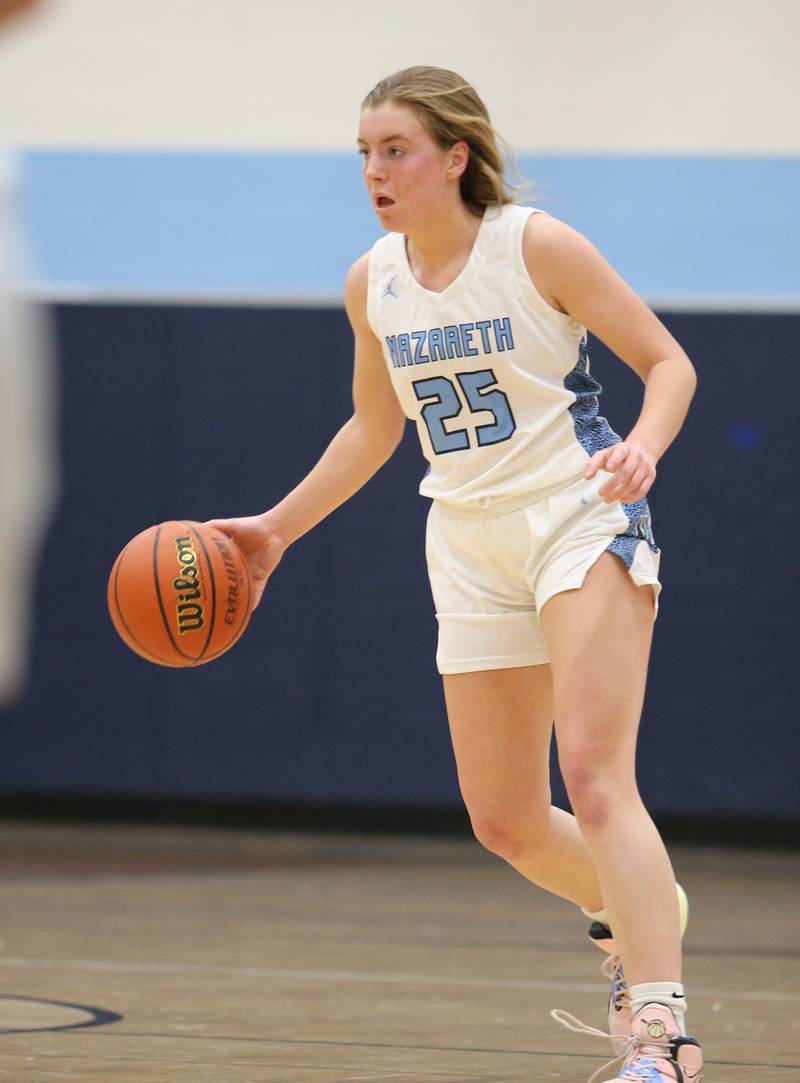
625,76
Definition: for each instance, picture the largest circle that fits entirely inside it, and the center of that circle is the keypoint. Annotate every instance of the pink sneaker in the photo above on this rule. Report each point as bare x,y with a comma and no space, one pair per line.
656,1050
659,1052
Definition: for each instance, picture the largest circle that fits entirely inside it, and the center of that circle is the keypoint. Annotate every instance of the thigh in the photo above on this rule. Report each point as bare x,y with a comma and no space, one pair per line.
484,608
598,638
501,723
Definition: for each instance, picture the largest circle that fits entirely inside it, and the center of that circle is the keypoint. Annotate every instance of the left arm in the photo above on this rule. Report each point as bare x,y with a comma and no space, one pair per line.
573,277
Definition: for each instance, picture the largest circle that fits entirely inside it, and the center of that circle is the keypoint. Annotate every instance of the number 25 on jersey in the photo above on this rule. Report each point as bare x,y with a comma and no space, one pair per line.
442,402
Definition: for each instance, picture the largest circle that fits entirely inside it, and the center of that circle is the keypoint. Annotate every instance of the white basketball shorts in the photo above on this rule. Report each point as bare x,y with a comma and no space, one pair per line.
491,576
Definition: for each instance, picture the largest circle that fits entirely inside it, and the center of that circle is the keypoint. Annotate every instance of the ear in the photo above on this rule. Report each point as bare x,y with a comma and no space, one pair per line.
459,158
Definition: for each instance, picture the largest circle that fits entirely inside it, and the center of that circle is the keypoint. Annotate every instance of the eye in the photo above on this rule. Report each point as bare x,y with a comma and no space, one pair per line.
362,152
395,152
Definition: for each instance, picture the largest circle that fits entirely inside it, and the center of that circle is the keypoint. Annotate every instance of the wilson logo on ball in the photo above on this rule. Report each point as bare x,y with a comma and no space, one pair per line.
188,611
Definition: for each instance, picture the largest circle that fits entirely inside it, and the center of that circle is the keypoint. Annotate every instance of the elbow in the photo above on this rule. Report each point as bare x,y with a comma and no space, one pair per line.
678,364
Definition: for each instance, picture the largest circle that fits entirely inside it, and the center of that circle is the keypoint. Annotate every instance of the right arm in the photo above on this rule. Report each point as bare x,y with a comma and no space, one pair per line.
357,451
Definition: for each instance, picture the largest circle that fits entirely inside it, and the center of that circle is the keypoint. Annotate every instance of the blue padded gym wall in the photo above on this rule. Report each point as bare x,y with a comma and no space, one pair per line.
332,695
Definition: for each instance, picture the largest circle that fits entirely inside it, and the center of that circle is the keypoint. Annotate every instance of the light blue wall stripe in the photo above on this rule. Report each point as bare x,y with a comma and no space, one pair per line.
291,223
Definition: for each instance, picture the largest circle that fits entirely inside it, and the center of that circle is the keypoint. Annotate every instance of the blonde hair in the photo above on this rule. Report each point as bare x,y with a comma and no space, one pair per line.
451,111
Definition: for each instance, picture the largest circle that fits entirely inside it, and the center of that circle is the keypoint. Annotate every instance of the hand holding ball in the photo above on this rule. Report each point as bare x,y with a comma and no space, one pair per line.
180,594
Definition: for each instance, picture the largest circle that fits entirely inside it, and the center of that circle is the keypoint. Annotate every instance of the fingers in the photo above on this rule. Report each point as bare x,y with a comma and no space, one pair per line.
598,462
629,494
224,526
622,470
633,473
638,486
258,584
261,548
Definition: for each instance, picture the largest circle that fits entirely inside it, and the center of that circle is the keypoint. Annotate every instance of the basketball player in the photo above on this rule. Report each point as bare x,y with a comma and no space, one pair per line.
470,317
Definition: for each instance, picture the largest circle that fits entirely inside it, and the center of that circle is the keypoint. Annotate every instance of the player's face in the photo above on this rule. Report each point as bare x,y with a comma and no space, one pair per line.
407,174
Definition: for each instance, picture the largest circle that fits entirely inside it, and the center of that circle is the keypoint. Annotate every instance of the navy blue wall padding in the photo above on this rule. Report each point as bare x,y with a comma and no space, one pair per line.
332,695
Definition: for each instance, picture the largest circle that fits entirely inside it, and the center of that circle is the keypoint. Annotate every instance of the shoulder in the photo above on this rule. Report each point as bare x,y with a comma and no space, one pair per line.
554,253
357,278
356,283
549,237
356,290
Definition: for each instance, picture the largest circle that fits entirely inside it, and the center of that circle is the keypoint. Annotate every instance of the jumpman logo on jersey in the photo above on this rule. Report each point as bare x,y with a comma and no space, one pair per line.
388,291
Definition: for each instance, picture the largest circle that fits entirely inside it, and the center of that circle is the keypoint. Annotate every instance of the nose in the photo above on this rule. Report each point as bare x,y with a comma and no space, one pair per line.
374,167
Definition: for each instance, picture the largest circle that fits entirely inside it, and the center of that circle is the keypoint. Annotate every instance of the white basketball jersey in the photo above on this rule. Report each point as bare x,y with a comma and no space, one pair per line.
496,379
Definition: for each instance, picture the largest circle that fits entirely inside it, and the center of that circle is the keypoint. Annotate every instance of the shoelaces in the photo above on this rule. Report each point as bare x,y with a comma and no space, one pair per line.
611,969
634,1045
575,1025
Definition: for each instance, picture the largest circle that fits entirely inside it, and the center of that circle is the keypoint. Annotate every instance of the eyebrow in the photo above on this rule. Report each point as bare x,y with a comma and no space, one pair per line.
388,139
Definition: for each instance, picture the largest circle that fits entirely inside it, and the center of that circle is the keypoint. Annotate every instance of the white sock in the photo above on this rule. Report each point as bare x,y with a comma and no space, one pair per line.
669,993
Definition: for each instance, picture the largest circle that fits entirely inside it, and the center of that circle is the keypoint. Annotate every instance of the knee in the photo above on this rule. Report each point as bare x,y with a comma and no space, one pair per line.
591,803
594,787
513,837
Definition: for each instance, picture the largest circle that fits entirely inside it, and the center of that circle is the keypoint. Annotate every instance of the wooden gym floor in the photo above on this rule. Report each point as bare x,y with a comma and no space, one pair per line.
133,954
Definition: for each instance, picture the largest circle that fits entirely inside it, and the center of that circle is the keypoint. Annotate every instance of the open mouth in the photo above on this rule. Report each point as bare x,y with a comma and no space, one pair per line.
383,203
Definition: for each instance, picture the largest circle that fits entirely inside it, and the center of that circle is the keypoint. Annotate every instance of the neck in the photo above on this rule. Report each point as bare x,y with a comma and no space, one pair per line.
442,239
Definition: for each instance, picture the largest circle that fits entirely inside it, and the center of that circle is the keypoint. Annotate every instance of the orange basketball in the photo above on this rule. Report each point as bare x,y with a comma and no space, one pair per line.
179,594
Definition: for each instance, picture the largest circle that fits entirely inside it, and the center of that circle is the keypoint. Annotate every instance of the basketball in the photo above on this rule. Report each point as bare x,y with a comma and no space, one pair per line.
179,594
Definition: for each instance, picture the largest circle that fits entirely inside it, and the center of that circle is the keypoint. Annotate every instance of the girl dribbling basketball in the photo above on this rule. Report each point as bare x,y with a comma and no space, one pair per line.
470,317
